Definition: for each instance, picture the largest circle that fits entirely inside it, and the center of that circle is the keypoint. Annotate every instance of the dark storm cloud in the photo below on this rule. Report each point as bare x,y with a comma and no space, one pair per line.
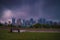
23,5
32,8
52,8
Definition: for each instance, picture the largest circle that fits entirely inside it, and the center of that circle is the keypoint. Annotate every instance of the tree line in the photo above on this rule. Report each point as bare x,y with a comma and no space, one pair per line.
37,25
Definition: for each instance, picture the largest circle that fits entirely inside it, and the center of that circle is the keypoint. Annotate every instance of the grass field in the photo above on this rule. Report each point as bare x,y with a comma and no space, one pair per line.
5,35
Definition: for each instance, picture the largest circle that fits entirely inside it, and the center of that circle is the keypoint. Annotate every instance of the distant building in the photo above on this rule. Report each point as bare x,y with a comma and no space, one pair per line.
42,21
13,21
55,23
32,21
49,22
19,22
58,23
24,23
27,23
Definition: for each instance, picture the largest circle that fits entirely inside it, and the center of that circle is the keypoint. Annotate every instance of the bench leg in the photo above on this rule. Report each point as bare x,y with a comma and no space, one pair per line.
18,30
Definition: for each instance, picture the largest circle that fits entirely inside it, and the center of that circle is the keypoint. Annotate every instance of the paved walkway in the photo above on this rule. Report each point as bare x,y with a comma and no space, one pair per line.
36,31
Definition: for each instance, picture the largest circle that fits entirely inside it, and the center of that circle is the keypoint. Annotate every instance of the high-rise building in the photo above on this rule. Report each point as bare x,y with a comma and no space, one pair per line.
27,23
19,22
32,21
39,21
13,21
42,21
24,23
51,23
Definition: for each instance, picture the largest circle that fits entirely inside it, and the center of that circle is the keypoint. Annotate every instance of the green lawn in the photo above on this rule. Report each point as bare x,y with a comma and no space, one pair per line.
5,35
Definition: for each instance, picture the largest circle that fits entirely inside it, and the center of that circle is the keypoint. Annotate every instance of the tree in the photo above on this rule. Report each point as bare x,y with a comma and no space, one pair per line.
1,24
37,25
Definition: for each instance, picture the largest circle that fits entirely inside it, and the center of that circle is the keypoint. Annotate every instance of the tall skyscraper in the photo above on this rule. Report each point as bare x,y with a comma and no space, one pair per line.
13,21
40,21
44,21
19,22
24,23
32,21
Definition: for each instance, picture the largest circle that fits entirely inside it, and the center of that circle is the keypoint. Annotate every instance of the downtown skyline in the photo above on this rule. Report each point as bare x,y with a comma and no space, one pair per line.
13,20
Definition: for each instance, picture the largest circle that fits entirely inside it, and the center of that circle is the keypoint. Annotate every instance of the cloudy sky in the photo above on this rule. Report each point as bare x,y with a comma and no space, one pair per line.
25,9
